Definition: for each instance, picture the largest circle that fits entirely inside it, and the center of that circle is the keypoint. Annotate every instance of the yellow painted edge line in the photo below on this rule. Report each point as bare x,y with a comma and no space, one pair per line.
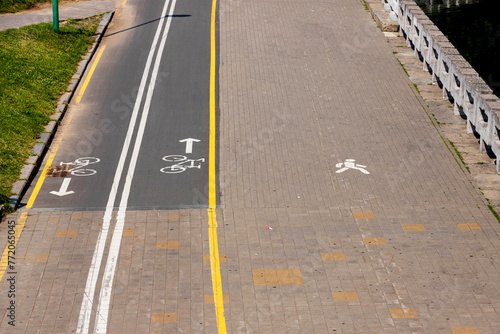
4,261
212,201
86,82
124,2
53,150
39,183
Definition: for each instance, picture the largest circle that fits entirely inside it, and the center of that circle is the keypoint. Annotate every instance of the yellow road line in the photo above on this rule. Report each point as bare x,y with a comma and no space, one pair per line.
86,82
212,201
53,150
40,180
10,248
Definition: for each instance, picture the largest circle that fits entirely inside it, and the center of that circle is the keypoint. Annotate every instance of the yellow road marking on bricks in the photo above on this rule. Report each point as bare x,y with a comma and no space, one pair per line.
209,299
333,256
363,215
33,258
465,330
401,313
66,233
167,245
468,227
128,233
222,258
374,241
345,296
212,201
164,317
413,227
91,72
11,244
277,277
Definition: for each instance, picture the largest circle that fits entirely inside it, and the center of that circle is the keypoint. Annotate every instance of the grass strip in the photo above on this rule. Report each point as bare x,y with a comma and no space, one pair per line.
36,66
12,6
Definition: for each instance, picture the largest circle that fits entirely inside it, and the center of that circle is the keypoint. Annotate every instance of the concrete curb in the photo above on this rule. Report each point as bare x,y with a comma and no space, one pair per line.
381,16
38,152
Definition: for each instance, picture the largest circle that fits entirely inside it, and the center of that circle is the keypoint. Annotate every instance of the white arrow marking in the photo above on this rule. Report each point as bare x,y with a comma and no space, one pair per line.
64,188
189,144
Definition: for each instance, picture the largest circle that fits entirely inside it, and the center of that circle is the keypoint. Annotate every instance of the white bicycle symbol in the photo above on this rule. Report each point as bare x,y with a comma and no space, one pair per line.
181,163
79,163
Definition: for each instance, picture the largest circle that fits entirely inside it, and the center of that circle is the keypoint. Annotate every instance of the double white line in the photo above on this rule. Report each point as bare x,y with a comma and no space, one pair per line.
101,317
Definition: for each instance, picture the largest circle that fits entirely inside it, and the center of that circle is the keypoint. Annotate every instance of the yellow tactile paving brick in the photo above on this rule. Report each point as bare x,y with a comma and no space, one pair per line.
400,313
164,317
468,227
209,299
277,277
173,217
333,256
128,233
363,215
413,227
374,241
345,296
167,245
222,258
31,258
465,330
76,215
66,233
53,219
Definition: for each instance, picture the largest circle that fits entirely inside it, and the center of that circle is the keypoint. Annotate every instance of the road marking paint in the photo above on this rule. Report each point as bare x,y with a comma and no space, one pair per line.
402,313
86,82
66,233
363,215
18,229
189,144
86,308
157,318
53,149
349,164
345,296
212,201
110,269
64,188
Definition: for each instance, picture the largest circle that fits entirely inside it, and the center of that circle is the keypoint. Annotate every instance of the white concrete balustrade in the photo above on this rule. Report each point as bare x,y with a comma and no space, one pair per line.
471,96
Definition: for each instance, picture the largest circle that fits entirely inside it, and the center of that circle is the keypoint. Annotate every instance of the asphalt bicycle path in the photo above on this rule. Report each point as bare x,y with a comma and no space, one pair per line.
147,90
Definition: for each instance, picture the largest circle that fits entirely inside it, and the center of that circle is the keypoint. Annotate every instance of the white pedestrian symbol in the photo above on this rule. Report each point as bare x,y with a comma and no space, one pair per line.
349,164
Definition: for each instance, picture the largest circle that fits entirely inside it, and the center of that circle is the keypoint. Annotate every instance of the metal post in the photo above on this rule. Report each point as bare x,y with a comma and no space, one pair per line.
55,16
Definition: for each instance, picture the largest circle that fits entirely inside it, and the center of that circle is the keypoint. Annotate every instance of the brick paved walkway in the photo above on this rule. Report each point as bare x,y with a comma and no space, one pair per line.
410,247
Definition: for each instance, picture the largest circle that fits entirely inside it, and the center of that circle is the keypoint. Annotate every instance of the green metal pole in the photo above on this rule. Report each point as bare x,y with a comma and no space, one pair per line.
55,16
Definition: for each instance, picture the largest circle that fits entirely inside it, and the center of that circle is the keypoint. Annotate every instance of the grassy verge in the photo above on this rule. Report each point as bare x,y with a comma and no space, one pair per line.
12,6
36,66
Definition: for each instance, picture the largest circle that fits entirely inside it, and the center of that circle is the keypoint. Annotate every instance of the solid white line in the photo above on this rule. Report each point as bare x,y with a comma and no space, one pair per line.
86,308
109,271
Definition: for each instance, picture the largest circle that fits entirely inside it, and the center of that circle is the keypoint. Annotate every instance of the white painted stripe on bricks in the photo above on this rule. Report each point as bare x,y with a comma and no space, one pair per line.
86,308
109,271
